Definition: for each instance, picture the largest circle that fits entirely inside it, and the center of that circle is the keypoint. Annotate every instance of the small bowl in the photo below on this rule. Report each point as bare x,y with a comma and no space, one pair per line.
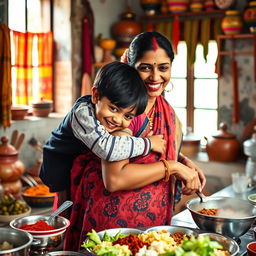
172,229
251,248
42,108
37,201
8,218
252,198
19,112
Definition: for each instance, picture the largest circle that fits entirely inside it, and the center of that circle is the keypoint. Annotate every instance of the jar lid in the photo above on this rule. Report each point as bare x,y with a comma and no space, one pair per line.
7,149
223,133
42,103
232,12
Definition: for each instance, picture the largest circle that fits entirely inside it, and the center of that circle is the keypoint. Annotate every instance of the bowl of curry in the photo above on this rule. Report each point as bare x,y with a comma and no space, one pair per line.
38,196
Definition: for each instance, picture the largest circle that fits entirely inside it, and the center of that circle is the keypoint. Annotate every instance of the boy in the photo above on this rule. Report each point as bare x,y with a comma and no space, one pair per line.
118,95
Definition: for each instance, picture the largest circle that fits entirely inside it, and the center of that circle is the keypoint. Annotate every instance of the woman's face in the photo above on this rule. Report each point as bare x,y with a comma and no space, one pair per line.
155,70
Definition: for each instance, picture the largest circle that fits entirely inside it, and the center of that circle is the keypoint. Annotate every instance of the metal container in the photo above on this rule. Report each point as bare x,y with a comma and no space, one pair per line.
172,229
20,240
44,241
67,253
235,218
250,151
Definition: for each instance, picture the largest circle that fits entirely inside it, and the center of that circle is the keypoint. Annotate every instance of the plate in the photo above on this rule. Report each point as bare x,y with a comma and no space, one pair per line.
9,218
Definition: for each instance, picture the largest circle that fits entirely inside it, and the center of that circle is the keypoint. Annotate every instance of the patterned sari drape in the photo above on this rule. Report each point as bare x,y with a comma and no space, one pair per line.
33,62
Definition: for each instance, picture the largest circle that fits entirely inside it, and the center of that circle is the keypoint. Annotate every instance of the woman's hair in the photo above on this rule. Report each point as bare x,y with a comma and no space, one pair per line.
145,42
122,85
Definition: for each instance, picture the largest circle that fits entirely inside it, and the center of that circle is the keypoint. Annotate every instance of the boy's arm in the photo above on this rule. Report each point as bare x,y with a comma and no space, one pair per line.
106,146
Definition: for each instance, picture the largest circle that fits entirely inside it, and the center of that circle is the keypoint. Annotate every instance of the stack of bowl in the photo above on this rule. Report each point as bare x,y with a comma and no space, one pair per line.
46,240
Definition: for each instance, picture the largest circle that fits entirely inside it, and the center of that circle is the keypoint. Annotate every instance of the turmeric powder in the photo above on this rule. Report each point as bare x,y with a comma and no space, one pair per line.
38,190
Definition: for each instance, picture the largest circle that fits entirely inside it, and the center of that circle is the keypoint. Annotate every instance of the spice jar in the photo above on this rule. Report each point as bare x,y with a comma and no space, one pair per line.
232,23
223,146
11,168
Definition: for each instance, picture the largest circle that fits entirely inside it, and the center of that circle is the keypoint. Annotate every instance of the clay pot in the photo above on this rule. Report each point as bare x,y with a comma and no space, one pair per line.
19,112
190,145
178,6
150,7
232,23
11,168
223,147
250,16
41,108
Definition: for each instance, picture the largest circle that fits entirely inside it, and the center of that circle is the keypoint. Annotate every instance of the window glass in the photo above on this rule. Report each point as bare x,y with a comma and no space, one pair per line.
179,64
206,93
176,92
205,121
34,12
16,15
204,69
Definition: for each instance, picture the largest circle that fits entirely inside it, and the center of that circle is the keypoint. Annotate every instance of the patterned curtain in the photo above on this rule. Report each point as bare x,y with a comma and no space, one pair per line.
32,60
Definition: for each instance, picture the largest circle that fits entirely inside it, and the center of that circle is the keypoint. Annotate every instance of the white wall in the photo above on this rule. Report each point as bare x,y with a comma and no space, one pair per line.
107,12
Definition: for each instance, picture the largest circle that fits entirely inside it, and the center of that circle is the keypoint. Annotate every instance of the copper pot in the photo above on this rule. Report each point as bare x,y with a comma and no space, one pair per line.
223,146
11,168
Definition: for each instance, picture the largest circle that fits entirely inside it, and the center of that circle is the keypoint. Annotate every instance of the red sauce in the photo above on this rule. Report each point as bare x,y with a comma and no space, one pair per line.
38,226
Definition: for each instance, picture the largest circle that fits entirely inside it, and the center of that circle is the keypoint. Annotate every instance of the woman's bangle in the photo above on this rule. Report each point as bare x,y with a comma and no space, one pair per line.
167,169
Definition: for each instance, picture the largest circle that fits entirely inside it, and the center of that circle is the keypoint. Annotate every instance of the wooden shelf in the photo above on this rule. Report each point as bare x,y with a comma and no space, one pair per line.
183,16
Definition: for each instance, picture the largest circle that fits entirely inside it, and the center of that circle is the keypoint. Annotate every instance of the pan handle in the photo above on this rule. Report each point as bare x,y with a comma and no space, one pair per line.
202,197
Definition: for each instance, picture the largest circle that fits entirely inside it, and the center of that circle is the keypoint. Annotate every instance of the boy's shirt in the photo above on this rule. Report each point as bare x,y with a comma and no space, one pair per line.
81,132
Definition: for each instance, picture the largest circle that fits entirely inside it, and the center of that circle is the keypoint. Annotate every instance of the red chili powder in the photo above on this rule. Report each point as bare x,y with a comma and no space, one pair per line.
38,226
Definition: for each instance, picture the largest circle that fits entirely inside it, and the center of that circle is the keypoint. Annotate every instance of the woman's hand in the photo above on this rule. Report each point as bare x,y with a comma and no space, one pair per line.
158,143
186,161
189,177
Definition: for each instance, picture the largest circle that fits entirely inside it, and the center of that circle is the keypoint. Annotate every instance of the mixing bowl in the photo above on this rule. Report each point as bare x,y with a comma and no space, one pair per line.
20,240
234,219
44,241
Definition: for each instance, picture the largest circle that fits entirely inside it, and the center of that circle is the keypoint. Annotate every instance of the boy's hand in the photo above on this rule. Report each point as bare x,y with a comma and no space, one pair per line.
158,144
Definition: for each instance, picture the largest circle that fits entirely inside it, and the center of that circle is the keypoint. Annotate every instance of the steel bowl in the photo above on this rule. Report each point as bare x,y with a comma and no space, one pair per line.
67,253
124,231
172,229
44,241
20,240
228,243
235,218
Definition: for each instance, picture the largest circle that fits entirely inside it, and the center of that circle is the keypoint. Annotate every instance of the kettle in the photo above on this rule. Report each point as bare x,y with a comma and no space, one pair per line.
223,146
250,151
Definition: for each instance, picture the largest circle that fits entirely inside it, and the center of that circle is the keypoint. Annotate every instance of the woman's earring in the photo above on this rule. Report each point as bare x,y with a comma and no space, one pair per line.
170,84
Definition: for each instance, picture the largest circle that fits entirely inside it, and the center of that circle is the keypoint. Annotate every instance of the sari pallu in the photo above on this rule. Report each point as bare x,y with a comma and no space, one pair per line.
96,208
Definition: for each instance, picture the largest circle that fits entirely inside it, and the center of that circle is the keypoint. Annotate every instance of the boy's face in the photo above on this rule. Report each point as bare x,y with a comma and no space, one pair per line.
113,118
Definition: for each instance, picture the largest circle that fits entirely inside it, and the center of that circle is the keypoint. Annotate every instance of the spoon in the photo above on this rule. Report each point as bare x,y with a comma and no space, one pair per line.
62,208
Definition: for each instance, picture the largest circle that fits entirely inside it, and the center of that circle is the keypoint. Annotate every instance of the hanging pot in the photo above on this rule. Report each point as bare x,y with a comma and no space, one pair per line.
223,146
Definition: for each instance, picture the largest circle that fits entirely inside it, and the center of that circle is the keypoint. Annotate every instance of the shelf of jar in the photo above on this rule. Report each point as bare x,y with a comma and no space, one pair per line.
183,16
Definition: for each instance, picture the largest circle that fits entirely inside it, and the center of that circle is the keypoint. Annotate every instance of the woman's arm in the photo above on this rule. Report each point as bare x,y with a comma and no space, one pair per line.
123,175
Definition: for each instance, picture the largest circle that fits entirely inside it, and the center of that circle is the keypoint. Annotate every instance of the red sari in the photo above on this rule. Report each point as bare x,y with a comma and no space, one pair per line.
96,208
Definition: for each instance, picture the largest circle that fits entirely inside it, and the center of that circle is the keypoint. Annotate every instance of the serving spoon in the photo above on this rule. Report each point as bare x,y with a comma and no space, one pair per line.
203,198
59,210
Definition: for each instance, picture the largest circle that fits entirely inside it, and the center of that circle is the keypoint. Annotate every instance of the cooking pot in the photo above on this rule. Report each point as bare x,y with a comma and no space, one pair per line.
223,146
20,240
190,144
234,219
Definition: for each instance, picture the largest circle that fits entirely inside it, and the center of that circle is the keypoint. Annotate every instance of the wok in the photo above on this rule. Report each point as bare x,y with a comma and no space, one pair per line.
235,216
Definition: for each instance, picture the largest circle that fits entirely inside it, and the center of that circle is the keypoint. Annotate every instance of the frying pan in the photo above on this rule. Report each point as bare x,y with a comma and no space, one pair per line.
235,216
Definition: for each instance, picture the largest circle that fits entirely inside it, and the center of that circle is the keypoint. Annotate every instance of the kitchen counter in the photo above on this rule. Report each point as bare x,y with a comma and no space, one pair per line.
185,219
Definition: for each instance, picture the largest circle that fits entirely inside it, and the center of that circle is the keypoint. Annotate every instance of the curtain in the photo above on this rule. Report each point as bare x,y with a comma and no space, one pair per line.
32,61
5,77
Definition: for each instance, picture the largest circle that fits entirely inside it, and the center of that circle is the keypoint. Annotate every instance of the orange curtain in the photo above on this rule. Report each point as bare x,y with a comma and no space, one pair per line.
5,77
31,56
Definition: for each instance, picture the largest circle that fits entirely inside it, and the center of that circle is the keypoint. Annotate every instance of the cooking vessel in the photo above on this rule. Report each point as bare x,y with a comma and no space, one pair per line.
20,240
235,216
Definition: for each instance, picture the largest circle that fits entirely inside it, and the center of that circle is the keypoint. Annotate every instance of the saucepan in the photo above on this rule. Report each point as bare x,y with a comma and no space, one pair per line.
234,216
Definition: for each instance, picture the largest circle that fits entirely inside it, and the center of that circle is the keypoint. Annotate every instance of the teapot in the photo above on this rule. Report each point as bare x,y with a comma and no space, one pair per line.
11,168
223,146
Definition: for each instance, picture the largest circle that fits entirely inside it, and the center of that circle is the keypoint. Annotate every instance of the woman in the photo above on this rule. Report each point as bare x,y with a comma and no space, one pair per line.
123,194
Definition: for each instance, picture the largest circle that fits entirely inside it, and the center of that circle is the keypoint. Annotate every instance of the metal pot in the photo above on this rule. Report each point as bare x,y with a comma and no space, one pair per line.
20,240
235,218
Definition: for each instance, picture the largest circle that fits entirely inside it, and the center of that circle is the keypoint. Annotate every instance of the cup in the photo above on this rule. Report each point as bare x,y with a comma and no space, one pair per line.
239,182
251,248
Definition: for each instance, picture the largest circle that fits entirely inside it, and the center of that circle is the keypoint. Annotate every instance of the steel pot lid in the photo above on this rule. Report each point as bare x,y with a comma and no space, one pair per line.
250,144
223,133
7,149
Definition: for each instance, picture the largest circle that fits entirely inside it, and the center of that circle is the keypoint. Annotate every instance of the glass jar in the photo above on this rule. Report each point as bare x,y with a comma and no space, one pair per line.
232,23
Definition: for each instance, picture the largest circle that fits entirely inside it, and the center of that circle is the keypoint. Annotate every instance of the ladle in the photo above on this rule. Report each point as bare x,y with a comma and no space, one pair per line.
203,198
59,210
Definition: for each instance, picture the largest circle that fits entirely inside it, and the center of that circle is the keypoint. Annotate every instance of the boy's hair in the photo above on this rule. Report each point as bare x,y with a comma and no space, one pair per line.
144,42
122,85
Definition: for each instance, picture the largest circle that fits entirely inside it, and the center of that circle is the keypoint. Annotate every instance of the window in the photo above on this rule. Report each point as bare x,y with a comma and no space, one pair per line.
194,91
31,49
